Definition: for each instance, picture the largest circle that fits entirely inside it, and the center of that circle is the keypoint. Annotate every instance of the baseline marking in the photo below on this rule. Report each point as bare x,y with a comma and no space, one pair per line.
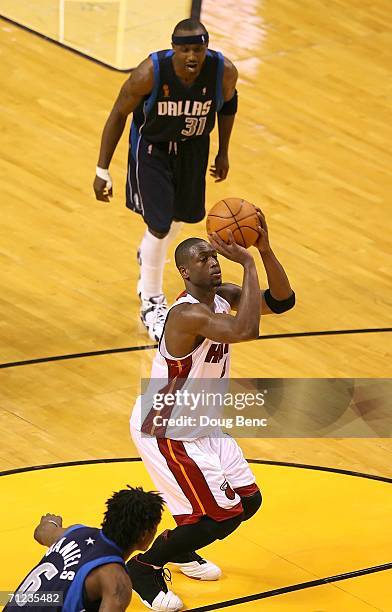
147,347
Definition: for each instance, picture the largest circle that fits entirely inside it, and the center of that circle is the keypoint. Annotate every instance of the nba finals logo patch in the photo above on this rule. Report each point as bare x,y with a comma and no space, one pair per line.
165,91
204,91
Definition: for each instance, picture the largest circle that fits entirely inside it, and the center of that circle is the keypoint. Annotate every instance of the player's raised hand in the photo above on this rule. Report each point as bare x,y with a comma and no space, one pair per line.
52,519
230,249
262,243
220,169
103,188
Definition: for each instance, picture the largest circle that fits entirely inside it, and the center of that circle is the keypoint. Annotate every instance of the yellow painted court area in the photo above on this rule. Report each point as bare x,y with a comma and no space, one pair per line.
312,525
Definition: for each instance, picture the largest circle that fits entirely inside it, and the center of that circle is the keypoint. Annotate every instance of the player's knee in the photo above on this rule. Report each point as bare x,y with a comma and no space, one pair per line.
158,235
221,529
251,504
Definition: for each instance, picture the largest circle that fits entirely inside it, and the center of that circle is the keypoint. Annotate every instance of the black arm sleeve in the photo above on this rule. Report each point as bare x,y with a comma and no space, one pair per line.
279,306
230,107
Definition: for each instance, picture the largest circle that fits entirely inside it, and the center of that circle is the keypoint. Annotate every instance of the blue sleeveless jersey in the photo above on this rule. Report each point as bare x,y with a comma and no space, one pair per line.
173,111
64,568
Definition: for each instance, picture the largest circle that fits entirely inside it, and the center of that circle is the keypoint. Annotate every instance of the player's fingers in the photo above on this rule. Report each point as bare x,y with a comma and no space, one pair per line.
217,242
213,236
261,216
221,175
230,237
216,245
262,219
102,197
216,238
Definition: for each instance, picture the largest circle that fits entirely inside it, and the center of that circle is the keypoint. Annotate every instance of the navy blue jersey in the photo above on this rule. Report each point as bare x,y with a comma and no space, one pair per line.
174,111
64,568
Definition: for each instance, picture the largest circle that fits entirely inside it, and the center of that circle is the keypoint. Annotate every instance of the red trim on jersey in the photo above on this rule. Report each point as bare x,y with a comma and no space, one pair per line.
247,491
182,294
193,484
179,368
178,372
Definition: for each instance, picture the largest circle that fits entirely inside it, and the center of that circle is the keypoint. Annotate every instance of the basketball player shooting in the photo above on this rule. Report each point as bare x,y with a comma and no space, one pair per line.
207,484
174,96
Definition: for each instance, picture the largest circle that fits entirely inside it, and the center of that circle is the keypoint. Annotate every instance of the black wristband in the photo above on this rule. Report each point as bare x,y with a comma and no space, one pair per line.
230,107
279,306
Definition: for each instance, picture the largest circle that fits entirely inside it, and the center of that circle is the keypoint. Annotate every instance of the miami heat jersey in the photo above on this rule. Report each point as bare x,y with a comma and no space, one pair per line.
209,360
204,370
64,568
174,111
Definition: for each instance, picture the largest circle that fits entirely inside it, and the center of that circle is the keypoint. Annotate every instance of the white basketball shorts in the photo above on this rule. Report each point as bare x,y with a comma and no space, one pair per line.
206,476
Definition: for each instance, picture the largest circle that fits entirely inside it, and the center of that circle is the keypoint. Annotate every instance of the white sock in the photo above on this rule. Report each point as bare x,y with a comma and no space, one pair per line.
175,229
153,254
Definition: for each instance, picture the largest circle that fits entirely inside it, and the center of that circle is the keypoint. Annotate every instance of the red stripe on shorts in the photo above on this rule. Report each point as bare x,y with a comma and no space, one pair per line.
193,484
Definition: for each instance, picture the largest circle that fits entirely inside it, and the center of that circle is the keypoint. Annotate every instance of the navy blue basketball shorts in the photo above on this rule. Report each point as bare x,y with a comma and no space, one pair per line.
166,181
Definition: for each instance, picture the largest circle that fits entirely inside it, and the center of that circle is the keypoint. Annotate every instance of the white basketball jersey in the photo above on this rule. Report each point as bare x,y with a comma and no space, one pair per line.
209,360
189,376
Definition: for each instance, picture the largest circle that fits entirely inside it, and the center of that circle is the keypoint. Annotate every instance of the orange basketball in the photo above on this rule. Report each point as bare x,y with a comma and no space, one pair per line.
237,215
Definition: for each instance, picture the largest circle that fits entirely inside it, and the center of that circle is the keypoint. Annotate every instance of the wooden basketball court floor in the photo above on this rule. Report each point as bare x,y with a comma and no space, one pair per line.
312,146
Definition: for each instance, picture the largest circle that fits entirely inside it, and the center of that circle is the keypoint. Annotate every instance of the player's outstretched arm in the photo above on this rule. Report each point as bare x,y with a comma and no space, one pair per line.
49,529
226,118
139,84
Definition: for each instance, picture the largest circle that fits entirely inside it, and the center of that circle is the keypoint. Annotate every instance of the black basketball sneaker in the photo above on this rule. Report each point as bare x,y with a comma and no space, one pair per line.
150,584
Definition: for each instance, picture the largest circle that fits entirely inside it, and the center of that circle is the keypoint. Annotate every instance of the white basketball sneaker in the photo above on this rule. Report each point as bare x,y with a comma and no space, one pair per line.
199,568
153,313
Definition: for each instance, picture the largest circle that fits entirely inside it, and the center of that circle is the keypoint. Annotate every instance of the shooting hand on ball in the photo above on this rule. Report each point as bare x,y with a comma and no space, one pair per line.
262,243
230,249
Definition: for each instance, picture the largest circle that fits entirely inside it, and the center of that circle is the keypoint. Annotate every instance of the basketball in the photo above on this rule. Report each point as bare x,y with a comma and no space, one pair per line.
237,215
